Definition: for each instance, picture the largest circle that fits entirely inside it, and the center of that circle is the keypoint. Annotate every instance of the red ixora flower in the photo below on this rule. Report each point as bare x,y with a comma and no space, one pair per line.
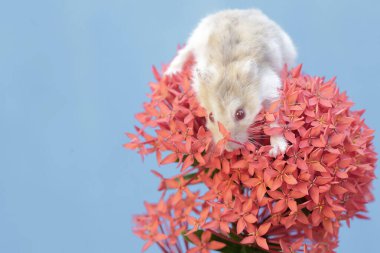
203,244
292,203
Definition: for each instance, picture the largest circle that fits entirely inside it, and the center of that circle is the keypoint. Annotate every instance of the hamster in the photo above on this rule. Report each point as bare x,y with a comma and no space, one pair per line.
239,55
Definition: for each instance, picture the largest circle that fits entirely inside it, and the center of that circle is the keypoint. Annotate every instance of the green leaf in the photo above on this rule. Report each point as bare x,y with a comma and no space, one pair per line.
214,172
189,176
230,246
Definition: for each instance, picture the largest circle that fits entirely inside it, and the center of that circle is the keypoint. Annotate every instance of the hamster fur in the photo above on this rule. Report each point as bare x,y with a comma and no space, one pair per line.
239,55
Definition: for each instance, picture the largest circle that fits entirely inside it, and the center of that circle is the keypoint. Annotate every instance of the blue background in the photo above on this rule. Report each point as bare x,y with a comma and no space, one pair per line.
73,74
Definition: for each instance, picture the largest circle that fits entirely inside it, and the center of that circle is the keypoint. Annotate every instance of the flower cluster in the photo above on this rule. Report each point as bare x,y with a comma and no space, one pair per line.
253,202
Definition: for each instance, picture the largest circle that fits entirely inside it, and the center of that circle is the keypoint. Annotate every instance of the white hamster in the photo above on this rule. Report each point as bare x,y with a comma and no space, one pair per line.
239,55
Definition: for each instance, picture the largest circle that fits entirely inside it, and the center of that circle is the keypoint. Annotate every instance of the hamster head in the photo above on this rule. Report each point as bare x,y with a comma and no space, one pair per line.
231,95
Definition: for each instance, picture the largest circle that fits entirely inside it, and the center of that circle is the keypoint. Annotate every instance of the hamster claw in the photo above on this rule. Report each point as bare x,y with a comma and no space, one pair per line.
279,145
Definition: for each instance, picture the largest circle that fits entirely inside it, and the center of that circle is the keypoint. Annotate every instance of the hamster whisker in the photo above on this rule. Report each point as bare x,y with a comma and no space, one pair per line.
236,142
259,121
254,142
255,134
256,125
255,129
254,138
259,137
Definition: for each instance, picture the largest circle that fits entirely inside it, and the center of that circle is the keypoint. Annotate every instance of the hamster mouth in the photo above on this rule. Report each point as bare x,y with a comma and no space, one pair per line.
236,141
232,145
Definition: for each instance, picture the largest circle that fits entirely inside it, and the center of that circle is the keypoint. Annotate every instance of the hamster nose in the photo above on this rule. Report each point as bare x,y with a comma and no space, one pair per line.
230,146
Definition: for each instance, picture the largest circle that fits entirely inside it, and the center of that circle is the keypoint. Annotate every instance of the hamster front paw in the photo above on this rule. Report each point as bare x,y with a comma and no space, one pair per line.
279,145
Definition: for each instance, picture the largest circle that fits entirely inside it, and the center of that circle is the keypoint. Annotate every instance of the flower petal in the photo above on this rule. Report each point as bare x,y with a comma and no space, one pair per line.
279,206
248,240
216,245
262,242
250,218
263,229
240,226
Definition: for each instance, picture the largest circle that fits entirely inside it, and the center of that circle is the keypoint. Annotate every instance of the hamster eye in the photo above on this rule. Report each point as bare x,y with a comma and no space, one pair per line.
211,117
239,114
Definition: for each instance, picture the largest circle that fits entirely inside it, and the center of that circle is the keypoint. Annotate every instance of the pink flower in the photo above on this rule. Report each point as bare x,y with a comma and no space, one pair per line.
294,203
256,235
204,245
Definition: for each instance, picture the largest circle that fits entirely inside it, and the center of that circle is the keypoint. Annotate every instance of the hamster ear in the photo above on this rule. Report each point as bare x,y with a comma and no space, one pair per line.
202,74
250,67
